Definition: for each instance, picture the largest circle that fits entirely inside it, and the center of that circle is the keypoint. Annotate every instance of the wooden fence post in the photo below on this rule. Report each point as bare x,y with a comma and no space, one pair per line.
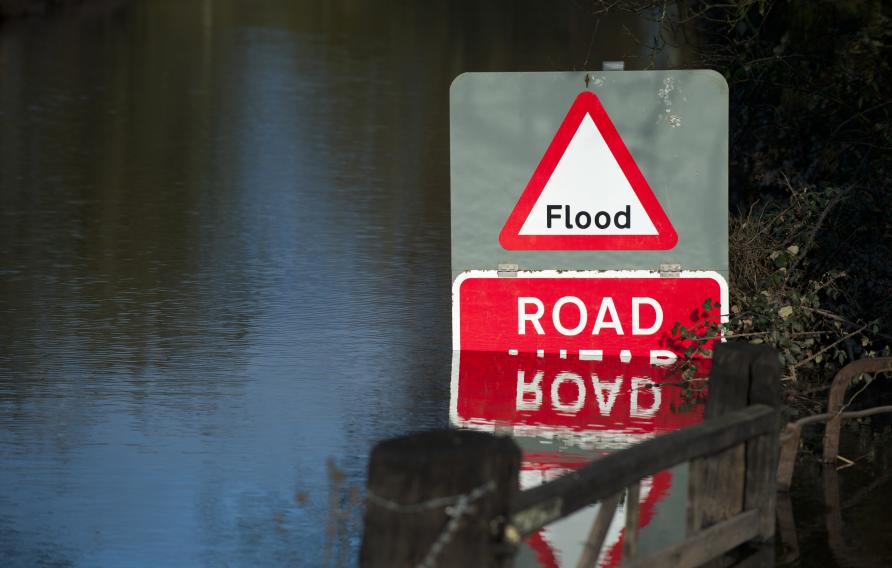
789,447
716,482
439,498
724,485
762,452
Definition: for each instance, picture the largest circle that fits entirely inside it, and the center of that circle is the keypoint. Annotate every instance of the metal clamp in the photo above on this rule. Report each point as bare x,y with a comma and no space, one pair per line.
670,270
507,271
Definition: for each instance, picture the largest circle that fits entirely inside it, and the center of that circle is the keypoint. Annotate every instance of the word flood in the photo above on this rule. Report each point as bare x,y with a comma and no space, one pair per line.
583,219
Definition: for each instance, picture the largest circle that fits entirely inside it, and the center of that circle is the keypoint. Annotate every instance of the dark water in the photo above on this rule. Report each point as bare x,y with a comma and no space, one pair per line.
224,258
839,515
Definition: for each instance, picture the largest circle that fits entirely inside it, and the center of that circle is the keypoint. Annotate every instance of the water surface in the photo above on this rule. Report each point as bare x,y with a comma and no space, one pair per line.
224,259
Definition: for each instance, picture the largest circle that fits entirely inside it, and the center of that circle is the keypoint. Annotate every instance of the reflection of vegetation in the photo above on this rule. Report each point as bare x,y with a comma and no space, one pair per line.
344,515
112,249
25,8
811,153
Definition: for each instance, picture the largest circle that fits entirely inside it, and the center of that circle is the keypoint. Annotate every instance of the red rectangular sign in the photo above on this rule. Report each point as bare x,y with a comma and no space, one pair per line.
586,315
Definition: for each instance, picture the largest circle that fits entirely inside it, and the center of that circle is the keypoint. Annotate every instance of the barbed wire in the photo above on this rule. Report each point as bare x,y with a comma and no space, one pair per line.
437,503
456,506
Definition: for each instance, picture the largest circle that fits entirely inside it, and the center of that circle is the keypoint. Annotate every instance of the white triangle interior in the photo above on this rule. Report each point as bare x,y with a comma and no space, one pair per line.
588,178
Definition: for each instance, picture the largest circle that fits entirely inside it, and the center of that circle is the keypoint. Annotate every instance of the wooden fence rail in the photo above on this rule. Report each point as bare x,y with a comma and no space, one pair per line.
611,474
451,498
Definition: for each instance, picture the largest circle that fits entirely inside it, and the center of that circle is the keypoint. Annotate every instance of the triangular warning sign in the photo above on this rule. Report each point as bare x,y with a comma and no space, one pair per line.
587,193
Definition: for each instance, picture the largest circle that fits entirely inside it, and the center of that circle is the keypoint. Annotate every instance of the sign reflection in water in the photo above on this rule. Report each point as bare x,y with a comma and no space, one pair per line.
566,412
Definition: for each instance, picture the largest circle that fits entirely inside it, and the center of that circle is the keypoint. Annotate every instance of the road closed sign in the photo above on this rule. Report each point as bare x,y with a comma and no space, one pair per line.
586,315
589,211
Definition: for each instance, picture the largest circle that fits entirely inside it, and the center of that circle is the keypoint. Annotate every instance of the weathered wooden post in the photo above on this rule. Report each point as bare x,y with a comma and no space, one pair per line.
789,446
762,453
742,478
439,498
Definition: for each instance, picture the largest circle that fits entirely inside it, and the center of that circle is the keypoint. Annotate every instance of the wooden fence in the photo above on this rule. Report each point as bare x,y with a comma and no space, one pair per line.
451,498
833,417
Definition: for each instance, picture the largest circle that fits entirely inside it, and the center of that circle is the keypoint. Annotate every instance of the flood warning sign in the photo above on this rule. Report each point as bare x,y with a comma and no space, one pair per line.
587,193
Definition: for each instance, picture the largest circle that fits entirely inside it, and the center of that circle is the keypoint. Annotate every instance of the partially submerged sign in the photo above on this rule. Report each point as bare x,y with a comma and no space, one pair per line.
558,175
589,222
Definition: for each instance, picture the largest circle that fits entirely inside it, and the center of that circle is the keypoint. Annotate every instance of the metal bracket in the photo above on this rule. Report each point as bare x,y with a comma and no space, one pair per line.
507,271
670,270
605,66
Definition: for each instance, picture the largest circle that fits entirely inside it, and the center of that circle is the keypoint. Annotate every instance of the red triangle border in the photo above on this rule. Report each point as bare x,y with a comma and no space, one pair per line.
587,103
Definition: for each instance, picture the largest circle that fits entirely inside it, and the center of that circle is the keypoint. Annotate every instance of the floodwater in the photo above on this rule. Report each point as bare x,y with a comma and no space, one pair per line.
224,261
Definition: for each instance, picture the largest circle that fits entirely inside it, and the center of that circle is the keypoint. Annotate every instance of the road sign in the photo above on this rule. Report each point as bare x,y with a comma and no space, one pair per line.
570,192
514,152
585,315
587,193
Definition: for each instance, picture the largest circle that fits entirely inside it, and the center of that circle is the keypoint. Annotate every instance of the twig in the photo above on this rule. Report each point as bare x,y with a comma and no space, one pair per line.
591,43
832,345
827,416
850,323
847,461
852,399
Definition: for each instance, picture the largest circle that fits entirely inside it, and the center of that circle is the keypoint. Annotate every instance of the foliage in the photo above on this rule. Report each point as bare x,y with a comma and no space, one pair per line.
811,155
777,300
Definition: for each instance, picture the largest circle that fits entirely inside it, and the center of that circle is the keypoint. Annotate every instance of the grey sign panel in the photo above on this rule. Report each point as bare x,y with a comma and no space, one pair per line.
674,124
